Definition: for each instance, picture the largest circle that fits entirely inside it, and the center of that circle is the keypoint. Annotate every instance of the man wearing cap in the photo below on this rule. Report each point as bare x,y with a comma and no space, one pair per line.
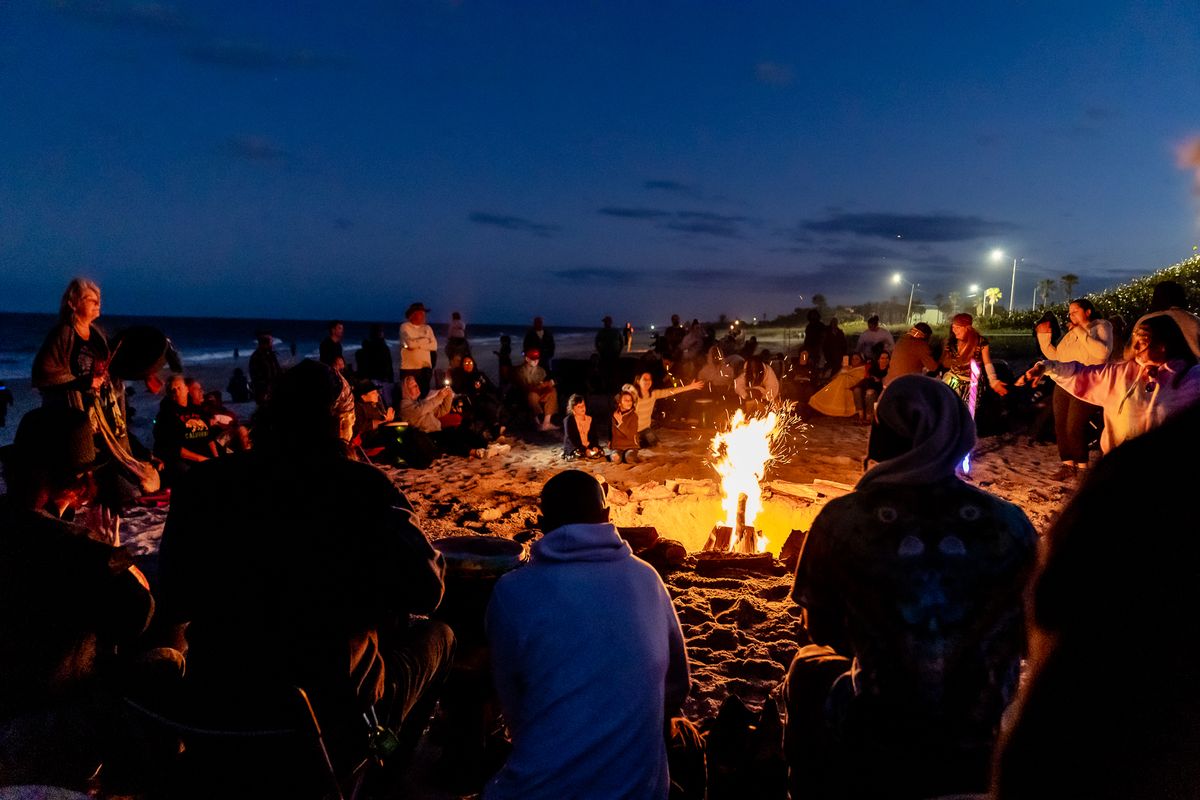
588,658
911,355
538,388
417,346
69,600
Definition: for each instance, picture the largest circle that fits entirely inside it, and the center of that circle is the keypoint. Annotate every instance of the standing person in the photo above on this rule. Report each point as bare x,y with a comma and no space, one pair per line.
628,337
1137,395
264,367
504,363
417,346
814,342
672,339
912,592
588,658
538,389
290,609
969,347
692,344
834,345
373,361
6,400
72,369
540,339
608,346
331,345
457,346
876,336
911,355
1088,340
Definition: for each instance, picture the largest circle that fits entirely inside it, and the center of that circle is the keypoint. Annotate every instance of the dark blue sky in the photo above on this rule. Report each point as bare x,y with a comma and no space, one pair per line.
576,159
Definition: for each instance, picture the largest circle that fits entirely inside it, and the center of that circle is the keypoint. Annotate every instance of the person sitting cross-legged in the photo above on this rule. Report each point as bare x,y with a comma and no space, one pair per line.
589,662
912,589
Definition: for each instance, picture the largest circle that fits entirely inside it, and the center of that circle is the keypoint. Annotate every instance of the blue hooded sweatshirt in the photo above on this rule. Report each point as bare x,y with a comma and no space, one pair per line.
588,656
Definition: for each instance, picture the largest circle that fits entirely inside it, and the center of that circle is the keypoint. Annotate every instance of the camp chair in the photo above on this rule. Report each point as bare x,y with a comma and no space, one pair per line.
264,742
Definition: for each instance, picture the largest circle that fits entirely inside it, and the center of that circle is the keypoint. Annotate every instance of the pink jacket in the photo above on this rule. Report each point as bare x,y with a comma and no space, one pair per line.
1135,399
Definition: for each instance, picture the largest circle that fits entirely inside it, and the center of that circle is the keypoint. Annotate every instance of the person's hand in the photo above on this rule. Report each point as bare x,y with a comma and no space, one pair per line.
695,385
1043,327
1033,374
104,523
446,391
389,415
999,388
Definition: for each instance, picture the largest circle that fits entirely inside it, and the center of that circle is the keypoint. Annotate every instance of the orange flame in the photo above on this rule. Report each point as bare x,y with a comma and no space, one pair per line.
741,456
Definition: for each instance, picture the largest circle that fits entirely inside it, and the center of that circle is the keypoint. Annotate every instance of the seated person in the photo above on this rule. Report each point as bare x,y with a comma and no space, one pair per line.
369,411
588,659
757,385
716,373
866,391
427,414
328,568
624,439
836,398
228,432
577,431
181,433
532,382
912,592
482,409
648,396
71,606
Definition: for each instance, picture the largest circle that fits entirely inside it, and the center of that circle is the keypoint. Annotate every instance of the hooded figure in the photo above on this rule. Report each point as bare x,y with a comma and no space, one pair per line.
911,587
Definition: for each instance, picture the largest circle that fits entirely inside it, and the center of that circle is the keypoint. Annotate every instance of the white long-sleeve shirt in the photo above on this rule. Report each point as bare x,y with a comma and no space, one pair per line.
1135,399
769,386
1090,345
417,342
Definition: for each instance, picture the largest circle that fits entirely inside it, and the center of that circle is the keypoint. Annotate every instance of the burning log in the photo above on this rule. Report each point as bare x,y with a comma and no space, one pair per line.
742,539
710,562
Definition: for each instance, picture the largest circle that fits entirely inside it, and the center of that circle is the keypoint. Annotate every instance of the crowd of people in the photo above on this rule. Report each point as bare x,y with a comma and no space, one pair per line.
914,589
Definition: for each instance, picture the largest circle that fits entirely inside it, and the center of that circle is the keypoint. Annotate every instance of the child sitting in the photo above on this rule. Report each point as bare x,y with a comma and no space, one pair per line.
577,431
624,428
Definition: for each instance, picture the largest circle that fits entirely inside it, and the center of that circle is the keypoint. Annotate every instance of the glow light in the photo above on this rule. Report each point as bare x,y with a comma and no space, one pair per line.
741,456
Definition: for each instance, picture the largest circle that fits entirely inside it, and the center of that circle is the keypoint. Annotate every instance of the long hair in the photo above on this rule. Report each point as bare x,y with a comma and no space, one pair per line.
76,289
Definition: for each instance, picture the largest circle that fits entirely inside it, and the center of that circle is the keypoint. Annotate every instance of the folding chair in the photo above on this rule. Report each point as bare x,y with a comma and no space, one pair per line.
259,743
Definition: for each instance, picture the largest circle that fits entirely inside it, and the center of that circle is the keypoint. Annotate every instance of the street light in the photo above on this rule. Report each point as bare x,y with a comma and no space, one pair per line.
997,257
898,278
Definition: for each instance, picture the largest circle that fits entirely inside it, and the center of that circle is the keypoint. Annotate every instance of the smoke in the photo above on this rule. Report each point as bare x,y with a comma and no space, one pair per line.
1188,157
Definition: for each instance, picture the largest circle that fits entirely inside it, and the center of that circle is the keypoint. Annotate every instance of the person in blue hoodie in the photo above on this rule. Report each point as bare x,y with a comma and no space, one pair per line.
588,659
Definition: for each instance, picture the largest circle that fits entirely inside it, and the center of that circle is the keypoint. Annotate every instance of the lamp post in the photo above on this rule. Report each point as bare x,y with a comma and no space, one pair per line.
997,257
898,278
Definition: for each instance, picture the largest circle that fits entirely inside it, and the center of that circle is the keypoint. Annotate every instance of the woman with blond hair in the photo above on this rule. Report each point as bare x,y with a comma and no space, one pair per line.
71,369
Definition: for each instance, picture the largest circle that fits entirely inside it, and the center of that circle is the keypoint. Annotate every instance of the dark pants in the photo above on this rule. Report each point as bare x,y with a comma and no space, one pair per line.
415,669
1071,417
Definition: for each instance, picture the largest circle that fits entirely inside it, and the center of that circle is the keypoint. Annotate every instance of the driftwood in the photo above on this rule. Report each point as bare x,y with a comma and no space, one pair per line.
709,562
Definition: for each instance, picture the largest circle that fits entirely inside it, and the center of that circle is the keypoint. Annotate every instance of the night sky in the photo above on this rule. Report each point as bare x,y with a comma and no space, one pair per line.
576,159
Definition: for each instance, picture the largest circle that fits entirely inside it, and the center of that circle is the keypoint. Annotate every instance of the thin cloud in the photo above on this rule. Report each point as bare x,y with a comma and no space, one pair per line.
257,58
596,275
511,223
774,74
912,227
635,213
253,148
701,223
153,17
672,186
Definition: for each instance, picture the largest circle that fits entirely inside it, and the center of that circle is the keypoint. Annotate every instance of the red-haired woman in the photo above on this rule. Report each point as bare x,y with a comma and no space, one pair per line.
969,348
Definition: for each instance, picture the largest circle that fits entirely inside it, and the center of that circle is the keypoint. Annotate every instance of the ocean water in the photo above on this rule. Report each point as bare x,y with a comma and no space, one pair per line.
214,341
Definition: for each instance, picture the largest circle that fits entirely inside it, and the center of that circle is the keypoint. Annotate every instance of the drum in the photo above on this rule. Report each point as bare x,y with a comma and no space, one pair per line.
473,565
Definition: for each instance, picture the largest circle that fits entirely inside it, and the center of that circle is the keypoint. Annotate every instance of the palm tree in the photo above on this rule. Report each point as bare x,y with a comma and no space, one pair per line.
990,297
1045,290
1069,282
